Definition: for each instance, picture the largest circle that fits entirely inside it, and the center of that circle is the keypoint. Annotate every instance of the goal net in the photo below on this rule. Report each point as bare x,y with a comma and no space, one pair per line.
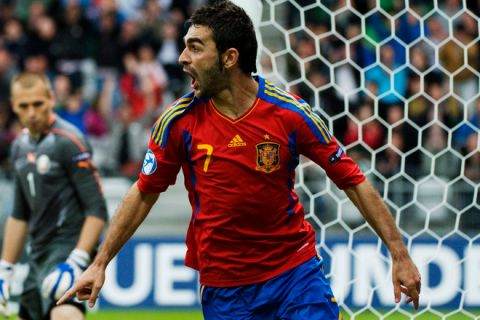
397,84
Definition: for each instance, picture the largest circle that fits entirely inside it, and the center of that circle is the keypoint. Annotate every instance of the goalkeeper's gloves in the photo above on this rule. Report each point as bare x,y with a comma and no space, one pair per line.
6,272
64,275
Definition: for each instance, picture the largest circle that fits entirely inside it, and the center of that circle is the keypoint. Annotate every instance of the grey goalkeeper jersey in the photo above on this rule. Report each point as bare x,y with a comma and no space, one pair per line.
56,184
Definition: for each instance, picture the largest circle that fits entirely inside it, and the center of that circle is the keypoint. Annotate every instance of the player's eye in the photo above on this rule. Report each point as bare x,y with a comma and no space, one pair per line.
38,104
35,104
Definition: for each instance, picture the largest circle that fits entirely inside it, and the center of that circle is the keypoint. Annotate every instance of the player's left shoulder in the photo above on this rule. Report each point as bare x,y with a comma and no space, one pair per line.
69,137
295,111
282,99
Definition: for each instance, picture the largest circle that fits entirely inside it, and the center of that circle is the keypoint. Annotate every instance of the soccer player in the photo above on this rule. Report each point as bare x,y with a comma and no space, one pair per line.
238,139
58,203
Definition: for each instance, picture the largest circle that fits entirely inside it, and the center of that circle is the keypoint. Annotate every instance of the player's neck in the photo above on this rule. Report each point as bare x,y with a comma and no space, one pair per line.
36,136
237,98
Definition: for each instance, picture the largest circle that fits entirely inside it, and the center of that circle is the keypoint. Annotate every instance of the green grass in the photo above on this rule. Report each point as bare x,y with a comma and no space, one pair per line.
197,315
145,315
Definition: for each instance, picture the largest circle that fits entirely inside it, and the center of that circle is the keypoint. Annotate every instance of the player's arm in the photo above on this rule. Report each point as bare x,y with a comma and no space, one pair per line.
14,239
322,148
77,160
132,211
75,155
16,226
405,275
91,230
86,182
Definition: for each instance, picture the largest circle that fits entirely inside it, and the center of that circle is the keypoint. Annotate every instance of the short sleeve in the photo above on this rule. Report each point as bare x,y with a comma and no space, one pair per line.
326,152
161,164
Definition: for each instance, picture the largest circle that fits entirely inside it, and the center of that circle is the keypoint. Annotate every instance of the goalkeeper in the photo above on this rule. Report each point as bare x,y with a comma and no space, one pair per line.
238,139
58,204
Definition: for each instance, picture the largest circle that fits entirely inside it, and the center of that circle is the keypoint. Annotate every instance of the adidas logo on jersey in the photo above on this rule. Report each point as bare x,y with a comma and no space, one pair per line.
237,142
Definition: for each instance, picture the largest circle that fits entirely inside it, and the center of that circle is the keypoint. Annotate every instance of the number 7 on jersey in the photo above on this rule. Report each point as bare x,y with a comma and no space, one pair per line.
209,149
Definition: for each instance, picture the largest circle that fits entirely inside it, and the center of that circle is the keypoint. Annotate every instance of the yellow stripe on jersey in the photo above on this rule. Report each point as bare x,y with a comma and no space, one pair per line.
159,132
160,138
166,113
305,108
167,116
165,119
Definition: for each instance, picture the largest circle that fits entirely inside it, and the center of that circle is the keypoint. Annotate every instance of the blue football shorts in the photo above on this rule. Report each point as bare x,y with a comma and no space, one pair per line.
302,293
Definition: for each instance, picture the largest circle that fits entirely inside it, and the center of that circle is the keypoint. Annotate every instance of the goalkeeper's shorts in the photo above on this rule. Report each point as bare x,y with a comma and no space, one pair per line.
302,293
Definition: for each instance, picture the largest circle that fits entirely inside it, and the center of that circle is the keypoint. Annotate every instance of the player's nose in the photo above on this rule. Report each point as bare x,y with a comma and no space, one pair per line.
184,59
31,112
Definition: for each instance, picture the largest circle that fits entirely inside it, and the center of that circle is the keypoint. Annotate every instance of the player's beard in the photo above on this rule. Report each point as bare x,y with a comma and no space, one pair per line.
212,81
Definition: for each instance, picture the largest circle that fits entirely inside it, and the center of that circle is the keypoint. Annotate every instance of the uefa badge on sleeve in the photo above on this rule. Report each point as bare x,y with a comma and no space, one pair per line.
149,163
336,156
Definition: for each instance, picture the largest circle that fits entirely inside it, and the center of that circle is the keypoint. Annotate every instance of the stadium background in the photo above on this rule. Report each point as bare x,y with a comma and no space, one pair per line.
396,81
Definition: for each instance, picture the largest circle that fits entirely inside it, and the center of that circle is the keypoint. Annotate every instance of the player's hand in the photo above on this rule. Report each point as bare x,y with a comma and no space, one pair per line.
406,279
87,286
6,272
64,275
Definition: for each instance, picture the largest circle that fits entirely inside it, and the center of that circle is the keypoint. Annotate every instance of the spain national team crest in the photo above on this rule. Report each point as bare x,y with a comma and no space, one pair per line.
268,156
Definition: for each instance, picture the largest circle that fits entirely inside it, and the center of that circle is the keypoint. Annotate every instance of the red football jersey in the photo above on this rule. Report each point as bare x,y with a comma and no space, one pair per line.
247,222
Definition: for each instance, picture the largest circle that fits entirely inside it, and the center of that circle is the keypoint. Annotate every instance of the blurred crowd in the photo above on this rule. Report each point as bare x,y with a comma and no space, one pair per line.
403,95
112,65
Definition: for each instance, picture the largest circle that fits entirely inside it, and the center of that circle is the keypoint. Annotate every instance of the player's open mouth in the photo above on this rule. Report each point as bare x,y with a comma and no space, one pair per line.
194,83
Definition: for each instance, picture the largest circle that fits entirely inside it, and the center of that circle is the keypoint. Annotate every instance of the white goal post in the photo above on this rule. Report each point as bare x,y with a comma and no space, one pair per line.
398,84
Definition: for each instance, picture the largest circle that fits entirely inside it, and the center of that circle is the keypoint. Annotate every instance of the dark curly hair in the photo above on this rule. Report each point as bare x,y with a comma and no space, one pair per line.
231,28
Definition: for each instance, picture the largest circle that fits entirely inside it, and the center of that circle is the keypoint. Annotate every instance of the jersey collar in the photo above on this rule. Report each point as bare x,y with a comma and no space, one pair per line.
261,86
52,119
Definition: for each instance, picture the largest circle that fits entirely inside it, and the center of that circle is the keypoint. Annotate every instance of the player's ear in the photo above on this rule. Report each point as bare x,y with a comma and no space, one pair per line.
13,92
14,106
230,58
51,98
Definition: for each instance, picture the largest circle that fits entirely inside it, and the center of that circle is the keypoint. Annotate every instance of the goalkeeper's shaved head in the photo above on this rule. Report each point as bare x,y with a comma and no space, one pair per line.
28,80
231,28
32,101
